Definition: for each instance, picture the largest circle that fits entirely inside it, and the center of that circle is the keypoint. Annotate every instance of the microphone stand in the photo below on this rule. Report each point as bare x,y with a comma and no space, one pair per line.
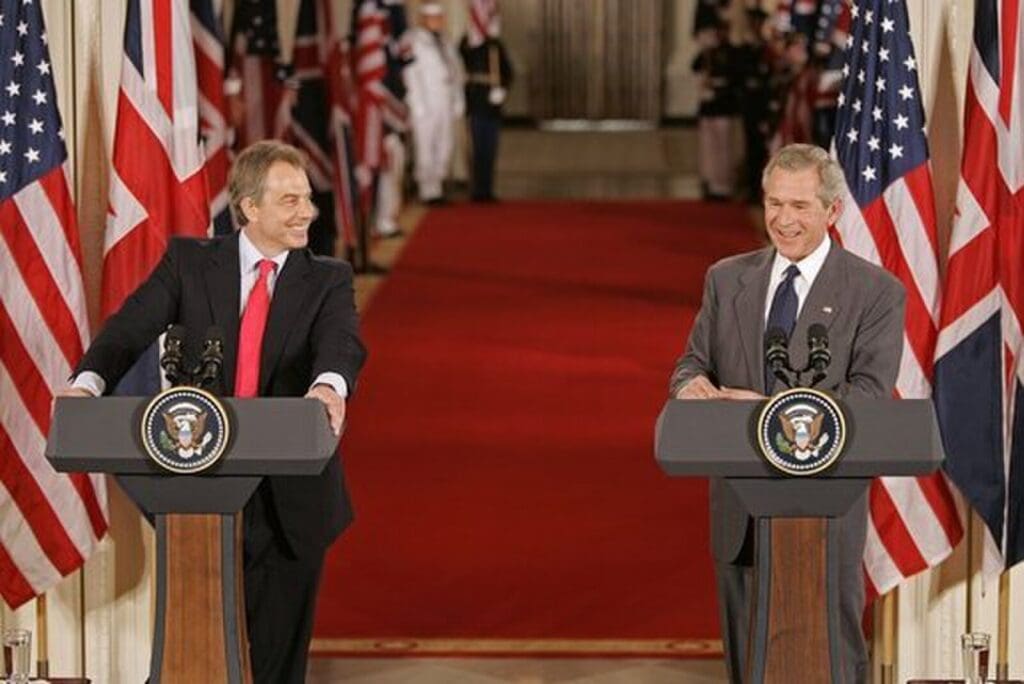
173,357
208,375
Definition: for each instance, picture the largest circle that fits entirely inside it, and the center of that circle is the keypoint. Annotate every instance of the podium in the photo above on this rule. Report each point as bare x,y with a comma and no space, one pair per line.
794,634
199,631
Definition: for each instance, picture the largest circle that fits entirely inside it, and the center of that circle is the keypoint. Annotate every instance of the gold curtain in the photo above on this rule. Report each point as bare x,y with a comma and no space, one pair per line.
601,59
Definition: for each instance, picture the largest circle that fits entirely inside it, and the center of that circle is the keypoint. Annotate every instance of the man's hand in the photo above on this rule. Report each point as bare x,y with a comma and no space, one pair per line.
334,404
698,388
74,392
736,393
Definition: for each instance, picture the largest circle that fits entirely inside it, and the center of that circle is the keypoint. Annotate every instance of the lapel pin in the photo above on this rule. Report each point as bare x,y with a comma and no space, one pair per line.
826,309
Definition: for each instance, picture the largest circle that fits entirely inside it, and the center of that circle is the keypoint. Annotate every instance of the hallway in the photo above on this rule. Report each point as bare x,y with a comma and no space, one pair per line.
553,166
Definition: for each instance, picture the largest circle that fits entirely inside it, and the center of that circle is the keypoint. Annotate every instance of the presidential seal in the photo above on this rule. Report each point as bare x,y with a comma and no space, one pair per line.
185,430
801,431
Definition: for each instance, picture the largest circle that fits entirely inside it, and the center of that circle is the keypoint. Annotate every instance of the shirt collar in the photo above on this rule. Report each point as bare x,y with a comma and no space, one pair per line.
249,256
809,266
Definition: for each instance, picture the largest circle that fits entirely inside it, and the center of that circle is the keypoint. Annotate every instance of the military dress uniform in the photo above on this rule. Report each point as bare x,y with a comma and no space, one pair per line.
488,78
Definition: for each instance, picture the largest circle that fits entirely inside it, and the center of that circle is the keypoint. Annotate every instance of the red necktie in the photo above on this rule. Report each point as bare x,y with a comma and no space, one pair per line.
250,334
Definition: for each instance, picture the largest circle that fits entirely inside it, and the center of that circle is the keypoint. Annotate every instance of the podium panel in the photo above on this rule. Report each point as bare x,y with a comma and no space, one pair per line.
794,630
199,632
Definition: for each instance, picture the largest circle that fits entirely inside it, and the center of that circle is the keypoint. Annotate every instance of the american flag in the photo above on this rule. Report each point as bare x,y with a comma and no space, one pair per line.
381,51
399,54
484,22
208,39
796,123
256,62
830,34
797,15
49,522
157,185
979,372
889,219
833,21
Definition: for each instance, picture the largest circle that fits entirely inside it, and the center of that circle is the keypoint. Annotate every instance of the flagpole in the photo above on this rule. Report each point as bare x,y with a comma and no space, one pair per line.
889,637
42,639
969,532
1003,643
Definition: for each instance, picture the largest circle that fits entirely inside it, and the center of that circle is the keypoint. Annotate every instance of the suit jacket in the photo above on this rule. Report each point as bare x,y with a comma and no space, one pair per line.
859,303
312,328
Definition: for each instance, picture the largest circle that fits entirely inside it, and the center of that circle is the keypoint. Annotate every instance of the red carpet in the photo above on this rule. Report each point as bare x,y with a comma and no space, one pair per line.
500,451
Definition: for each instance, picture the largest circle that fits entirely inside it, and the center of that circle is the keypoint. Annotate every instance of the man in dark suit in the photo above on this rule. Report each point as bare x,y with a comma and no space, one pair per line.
803,278
290,330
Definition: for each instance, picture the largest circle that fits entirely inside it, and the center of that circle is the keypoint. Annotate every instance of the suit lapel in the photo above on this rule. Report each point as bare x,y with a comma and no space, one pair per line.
749,306
222,282
821,305
290,291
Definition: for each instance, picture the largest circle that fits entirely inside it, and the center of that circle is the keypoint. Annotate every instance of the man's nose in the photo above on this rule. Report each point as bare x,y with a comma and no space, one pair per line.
307,209
785,215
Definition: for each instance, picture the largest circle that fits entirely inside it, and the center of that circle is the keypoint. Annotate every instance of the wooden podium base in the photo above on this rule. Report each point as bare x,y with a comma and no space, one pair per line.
794,630
201,597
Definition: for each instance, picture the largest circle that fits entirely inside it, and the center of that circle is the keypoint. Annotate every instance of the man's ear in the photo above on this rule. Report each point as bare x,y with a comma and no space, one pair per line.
835,211
249,208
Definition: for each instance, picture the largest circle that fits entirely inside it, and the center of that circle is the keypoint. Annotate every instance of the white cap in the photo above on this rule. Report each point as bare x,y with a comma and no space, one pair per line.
429,8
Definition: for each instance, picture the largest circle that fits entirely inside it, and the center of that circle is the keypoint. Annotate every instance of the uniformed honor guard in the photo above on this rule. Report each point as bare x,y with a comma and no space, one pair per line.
488,78
433,83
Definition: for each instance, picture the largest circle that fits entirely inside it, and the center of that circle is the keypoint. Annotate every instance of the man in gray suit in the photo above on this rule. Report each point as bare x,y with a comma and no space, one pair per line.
803,278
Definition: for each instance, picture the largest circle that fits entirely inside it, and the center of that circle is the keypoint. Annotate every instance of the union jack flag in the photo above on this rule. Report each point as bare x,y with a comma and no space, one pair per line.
208,38
49,522
157,184
304,99
889,219
979,372
307,124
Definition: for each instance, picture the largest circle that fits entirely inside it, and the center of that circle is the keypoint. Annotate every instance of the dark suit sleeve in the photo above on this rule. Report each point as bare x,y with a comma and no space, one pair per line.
696,360
507,72
142,317
334,337
877,344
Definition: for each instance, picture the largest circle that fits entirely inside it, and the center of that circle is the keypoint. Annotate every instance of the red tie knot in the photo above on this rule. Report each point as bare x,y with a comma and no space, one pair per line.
266,268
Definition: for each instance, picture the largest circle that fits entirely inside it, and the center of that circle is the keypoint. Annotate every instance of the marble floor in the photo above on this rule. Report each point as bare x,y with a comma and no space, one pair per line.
548,165
592,164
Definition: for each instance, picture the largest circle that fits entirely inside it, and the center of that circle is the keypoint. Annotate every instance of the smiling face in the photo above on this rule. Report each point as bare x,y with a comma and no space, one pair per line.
796,219
279,219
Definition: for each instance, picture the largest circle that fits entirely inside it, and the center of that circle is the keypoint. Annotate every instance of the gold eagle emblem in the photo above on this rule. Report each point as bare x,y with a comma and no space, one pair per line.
187,431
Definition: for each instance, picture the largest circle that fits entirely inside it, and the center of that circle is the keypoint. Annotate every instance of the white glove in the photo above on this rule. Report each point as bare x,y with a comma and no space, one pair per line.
497,96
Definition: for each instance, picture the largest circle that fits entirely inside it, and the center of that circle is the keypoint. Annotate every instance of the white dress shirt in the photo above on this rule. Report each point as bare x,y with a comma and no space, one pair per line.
809,267
248,265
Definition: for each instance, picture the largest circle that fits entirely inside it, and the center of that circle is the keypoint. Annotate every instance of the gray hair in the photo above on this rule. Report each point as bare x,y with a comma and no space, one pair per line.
797,157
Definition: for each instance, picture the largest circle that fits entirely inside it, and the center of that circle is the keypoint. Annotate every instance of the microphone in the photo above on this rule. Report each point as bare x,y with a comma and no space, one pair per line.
776,354
173,356
818,357
212,360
